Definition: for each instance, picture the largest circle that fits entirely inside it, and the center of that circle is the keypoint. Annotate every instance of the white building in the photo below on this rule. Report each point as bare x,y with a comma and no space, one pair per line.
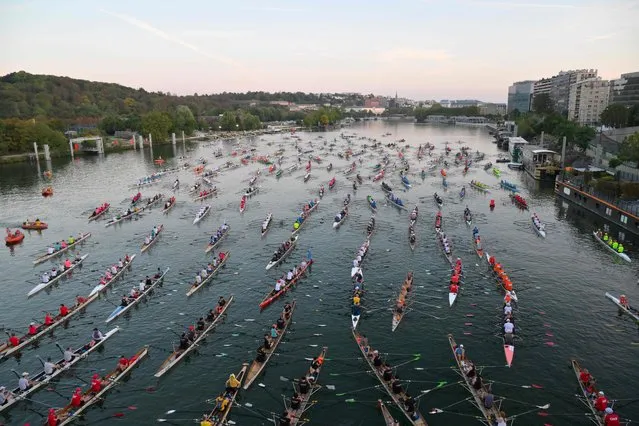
587,100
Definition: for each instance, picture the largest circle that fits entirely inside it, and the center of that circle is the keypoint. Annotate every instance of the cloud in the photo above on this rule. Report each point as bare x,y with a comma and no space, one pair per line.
512,5
602,37
216,34
412,54
159,33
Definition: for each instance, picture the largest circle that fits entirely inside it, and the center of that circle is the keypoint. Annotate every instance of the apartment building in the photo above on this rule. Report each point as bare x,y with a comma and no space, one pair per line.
587,99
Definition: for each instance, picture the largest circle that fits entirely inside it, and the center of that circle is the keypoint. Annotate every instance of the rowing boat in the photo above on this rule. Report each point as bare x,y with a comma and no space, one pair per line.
178,354
195,286
225,233
306,215
406,182
386,188
41,379
273,295
357,268
463,366
166,208
279,260
398,399
468,217
47,256
37,289
96,216
395,201
453,296
538,229
152,240
6,350
438,200
448,255
508,186
120,218
512,292
624,256
585,395
251,191
201,213
412,237
266,224
508,341
101,287
256,366
480,186
218,418
151,201
478,249
496,172
438,221
370,228
205,194
337,223
371,203
356,310
519,201
400,306
633,312
331,183
295,415
389,420
70,413
378,176
120,310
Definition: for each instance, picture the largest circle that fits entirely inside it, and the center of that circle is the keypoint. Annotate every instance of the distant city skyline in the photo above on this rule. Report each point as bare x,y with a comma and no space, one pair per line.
423,49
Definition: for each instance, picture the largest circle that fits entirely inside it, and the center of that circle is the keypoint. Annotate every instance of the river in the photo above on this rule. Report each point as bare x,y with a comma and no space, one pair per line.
560,280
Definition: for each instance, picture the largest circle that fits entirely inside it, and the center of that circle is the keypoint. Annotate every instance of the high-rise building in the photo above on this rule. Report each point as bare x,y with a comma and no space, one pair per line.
542,86
625,90
587,99
520,96
561,83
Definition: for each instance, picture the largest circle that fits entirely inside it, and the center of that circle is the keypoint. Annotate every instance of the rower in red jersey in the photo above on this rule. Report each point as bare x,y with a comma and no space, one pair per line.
14,340
64,311
123,363
585,376
623,301
76,399
96,383
601,403
52,418
48,319
453,288
33,329
611,418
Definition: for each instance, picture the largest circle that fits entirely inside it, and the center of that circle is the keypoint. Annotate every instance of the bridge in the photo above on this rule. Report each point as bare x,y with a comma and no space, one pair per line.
90,144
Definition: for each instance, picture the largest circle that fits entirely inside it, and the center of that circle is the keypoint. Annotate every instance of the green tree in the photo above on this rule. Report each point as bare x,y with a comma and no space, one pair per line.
614,162
157,124
542,104
630,149
111,123
615,115
184,120
229,121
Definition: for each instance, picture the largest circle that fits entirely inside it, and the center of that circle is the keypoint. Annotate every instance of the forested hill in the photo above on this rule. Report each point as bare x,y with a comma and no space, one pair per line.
24,95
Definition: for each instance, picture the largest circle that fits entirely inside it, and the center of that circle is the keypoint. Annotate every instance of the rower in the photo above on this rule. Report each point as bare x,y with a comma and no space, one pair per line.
303,385
232,384
79,300
284,419
198,280
280,323
289,276
611,418
123,363
14,340
221,301
48,319
453,288
601,403
388,373
114,269
460,352
508,310
68,355
124,301
274,333
67,264
184,342
96,336
278,287
76,399
210,316
396,386
45,277
142,286
623,301
52,417
267,342
296,401
64,311
509,327
190,334
200,324
24,382
377,360
33,329
203,273
134,293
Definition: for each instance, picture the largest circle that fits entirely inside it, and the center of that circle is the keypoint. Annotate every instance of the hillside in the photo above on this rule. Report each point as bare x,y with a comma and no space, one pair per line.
24,95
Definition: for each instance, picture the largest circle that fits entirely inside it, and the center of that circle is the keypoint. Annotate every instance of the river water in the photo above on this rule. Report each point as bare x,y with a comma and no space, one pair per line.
560,281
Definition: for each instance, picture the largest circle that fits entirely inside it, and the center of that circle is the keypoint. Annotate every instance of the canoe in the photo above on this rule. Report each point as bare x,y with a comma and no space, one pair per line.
585,397
120,310
195,286
42,379
35,226
94,217
201,214
266,224
208,194
539,230
633,312
37,289
69,413
221,417
284,255
165,210
399,315
271,296
489,414
398,399
372,203
46,256
178,354
210,246
26,339
624,256
336,224
249,194
145,247
256,367
100,288
305,398
243,203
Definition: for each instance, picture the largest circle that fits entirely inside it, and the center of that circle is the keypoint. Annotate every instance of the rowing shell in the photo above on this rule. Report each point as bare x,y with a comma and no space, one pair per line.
337,224
41,379
296,414
66,415
624,256
210,246
100,287
37,289
512,292
540,231
584,398
120,310
256,367
145,247
221,419
284,256
270,297
47,256
199,217
178,354
266,224
398,316
195,287
633,312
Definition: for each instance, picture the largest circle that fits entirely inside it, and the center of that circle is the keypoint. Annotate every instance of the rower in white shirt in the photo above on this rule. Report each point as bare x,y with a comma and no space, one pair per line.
142,286
69,355
45,278
114,269
278,286
24,382
50,250
289,276
508,309
54,272
303,264
147,240
509,327
203,273
120,264
49,367
198,279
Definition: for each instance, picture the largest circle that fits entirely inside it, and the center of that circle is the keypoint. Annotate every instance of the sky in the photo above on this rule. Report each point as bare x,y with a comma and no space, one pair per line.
421,49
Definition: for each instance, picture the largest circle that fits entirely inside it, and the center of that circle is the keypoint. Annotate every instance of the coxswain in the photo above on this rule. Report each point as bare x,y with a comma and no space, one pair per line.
14,340
601,403
52,418
33,329
48,319
49,367
64,311
623,301
611,418
76,399
232,384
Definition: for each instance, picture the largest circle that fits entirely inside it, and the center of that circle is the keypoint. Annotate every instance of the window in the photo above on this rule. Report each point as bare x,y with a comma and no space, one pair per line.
624,219
622,236
608,211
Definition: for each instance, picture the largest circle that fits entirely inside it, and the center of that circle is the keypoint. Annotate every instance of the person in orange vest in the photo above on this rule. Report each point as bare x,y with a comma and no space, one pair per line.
507,284
601,403
507,297
64,311
492,260
76,399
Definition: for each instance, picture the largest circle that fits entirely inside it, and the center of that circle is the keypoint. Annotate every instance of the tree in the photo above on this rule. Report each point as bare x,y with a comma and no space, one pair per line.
229,121
615,115
514,114
630,149
184,120
542,104
157,124
614,162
